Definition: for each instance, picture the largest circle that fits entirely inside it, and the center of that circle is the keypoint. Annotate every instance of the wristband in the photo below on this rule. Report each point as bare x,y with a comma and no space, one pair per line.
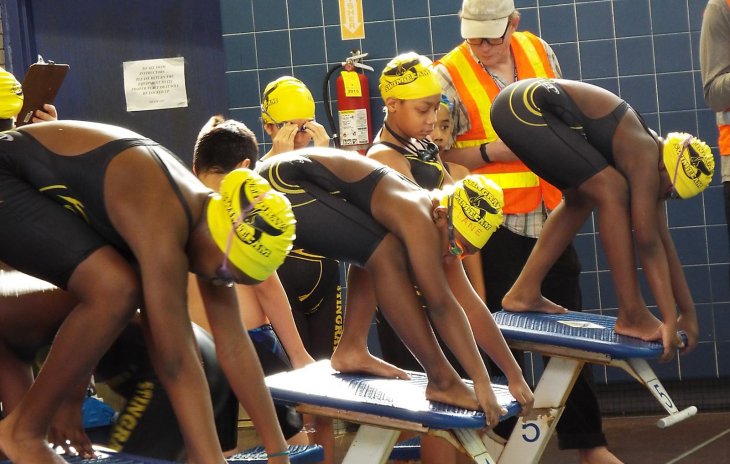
483,152
276,455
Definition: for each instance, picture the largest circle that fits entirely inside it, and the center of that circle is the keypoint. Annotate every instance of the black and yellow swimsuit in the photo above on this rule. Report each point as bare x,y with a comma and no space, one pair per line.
333,216
547,130
52,211
333,224
428,174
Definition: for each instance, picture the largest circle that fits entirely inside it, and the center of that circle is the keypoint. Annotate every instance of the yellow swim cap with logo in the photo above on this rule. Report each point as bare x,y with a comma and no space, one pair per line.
11,95
407,77
689,163
263,220
286,99
477,208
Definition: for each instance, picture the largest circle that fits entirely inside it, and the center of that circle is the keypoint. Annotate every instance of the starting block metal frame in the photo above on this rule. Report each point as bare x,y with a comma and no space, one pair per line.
572,340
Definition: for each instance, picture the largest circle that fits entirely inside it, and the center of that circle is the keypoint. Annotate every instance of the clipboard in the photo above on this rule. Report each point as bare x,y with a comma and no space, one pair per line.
40,86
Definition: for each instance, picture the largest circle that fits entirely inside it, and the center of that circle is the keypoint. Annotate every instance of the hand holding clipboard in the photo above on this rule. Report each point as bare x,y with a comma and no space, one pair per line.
40,86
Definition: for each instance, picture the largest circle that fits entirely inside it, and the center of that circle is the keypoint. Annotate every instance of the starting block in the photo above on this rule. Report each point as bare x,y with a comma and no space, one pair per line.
571,340
106,456
298,454
385,407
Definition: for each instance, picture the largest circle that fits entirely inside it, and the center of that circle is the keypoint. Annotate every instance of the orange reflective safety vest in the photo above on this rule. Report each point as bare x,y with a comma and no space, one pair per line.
523,190
723,127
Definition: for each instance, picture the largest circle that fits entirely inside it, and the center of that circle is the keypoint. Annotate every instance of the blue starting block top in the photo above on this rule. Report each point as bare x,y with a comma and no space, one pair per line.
110,457
318,384
578,330
298,454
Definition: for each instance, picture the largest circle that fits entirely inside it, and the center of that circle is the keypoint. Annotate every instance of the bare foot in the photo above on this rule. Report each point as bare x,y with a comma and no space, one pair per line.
639,324
598,455
362,362
517,303
453,393
24,449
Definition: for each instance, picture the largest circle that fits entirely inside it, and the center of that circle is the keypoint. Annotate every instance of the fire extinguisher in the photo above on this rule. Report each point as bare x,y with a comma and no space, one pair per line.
353,104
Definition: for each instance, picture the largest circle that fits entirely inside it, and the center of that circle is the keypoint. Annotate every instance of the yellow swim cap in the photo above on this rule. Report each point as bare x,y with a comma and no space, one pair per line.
477,208
286,99
11,95
407,77
691,173
263,219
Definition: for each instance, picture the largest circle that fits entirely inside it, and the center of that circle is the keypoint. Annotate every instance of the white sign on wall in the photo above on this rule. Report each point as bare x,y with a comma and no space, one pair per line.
155,84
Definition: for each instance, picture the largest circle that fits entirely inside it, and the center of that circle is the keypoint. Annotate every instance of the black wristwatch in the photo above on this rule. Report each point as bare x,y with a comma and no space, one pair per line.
483,152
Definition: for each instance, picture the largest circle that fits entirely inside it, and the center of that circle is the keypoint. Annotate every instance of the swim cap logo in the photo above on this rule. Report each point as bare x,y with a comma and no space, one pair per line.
255,218
404,74
694,165
270,101
479,203
549,86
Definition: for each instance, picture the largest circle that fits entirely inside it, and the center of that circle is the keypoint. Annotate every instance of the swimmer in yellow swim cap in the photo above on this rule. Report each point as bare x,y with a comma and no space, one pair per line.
600,153
288,114
11,99
119,223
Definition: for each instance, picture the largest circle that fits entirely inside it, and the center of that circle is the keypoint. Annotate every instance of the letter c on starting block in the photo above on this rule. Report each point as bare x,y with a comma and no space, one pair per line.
536,432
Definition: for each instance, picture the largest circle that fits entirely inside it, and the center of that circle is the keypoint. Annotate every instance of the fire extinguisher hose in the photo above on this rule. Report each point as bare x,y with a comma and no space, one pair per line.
328,104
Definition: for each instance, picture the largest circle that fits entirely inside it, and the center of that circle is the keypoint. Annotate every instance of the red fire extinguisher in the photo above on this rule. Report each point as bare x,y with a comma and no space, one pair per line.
353,105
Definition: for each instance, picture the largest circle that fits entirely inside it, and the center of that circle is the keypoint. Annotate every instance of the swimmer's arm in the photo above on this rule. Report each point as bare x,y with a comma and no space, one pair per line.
680,288
163,267
648,218
444,310
275,304
238,359
487,334
173,350
471,157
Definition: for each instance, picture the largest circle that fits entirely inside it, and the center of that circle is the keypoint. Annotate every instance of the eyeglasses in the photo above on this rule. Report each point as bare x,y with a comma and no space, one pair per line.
455,248
491,41
672,194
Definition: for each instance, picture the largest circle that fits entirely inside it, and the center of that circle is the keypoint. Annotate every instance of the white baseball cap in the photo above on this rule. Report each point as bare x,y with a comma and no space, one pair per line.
485,18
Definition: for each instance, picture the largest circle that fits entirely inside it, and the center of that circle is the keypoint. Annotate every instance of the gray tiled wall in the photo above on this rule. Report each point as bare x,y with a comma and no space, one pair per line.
644,50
